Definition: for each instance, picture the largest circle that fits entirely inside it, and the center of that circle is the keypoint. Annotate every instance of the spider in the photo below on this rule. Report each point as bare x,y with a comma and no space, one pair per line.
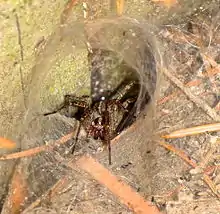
111,107
105,118
117,96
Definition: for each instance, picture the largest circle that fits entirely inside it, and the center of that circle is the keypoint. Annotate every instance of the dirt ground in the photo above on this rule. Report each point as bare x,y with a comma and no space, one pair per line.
157,174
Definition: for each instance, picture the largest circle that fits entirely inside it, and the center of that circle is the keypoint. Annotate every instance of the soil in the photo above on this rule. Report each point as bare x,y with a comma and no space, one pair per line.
157,174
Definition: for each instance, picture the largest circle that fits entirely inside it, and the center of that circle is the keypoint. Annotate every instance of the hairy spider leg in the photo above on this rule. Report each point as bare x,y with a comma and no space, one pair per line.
87,111
71,100
122,89
128,103
107,140
76,138
101,108
79,102
55,111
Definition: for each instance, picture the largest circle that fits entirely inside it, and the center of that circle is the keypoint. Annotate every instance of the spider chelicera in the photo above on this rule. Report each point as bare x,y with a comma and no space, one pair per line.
106,118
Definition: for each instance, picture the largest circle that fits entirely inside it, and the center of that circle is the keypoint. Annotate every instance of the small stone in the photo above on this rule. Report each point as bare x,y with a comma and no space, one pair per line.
195,171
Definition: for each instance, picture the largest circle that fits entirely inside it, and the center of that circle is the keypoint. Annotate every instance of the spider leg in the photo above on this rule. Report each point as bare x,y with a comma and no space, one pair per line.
82,105
87,112
123,88
107,139
129,116
77,138
109,153
74,101
119,95
55,111
118,103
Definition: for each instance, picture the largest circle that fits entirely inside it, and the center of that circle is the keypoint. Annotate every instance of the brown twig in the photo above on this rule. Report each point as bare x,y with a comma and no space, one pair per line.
179,37
191,83
178,152
199,102
209,155
61,182
6,144
66,11
217,177
209,67
21,56
62,140
167,3
50,193
210,169
217,107
120,7
171,193
193,131
18,191
127,195
34,151
185,157
211,185
166,98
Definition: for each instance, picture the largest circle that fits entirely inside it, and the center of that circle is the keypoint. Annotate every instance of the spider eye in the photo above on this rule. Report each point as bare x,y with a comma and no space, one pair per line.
95,136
